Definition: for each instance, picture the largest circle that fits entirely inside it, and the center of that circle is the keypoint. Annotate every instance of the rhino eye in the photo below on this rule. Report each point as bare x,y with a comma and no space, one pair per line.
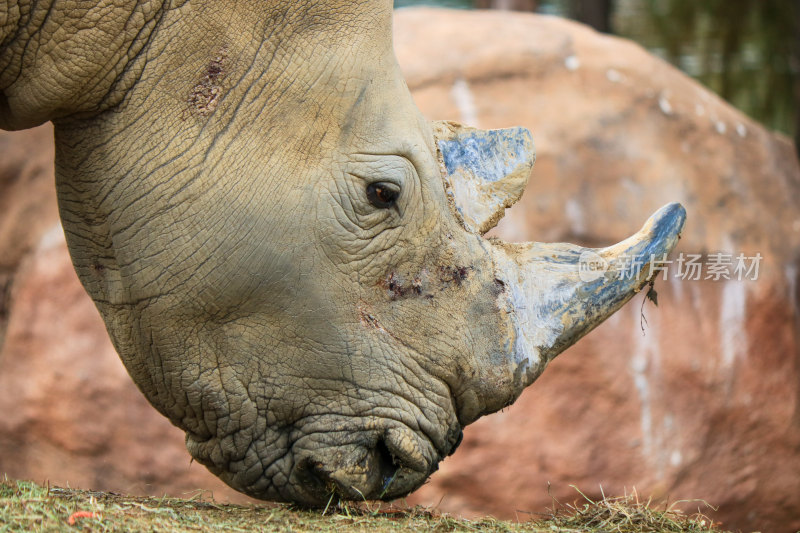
382,195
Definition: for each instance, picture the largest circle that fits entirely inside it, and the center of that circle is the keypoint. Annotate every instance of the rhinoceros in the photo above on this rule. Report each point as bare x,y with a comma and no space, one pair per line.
289,259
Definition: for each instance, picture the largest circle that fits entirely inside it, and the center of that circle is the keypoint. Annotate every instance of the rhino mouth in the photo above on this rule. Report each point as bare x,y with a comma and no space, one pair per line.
385,468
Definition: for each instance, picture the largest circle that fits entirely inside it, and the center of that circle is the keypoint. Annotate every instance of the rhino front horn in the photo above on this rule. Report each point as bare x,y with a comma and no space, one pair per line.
556,293
485,171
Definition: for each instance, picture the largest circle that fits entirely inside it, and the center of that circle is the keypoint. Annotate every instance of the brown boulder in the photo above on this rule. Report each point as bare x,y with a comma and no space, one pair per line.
704,402
27,203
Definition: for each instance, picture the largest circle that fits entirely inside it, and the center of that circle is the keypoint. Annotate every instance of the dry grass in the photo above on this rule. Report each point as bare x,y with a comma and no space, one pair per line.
26,506
626,514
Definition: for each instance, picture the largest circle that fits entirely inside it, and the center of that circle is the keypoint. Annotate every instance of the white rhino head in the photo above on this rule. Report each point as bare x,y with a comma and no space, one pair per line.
288,257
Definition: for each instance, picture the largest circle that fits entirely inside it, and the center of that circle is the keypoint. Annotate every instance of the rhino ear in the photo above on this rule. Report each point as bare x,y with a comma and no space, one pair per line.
484,171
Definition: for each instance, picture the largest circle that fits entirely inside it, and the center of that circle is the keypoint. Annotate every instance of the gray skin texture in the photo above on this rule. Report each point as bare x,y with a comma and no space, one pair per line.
212,160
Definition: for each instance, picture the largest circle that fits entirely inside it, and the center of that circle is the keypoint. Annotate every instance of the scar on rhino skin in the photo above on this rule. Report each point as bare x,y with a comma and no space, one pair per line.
205,96
367,319
395,286
420,284
453,274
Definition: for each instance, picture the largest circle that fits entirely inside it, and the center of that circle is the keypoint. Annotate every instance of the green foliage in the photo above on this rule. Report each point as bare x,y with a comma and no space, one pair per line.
744,50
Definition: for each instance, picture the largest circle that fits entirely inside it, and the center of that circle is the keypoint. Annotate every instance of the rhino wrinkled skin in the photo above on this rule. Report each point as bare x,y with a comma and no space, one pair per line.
288,258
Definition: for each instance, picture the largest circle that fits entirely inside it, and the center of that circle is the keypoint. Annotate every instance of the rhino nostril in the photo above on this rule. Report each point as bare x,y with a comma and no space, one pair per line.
388,465
316,475
385,466
382,451
457,443
351,473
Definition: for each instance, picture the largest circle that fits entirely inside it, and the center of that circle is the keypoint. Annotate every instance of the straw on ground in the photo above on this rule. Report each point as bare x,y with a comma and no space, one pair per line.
26,506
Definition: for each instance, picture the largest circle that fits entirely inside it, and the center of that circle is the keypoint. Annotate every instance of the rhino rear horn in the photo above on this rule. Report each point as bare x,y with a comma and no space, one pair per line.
485,171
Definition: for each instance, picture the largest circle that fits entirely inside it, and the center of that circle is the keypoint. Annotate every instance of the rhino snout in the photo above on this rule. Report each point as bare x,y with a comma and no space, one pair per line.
384,468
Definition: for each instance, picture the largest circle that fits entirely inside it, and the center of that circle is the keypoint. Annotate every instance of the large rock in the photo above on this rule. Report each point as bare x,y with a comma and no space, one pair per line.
27,203
703,404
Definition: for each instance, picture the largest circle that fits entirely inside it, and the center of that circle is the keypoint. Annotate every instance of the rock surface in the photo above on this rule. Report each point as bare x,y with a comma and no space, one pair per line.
27,203
704,404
